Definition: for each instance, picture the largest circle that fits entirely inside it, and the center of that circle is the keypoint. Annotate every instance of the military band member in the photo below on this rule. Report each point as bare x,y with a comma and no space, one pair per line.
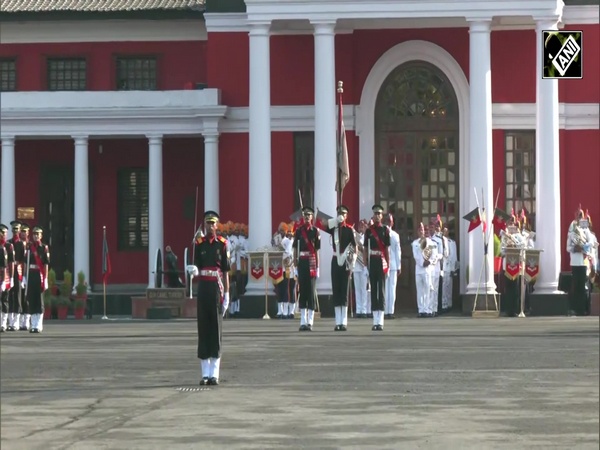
36,279
211,266
289,298
21,317
307,243
360,274
435,230
395,270
450,268
281,286
279,235
377,255
344,248
424,251
7,266
579,245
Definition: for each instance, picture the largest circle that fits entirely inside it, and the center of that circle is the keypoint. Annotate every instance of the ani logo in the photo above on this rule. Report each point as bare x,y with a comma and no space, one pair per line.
563,54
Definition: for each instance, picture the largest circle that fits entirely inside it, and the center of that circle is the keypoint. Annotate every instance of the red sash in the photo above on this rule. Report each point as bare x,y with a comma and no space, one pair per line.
312,260
38,262
384,259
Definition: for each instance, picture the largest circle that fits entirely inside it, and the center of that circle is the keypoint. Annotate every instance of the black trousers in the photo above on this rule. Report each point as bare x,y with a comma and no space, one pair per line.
306,285
512,296
377,280
35,303
339,283
4,299
578,297
210,320
15,297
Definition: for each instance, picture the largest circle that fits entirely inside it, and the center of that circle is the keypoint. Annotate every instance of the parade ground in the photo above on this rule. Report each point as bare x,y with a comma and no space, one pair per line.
444,383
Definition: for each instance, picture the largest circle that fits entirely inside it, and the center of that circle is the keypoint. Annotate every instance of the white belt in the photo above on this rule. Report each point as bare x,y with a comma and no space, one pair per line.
305,253
209,273
376,252
33,266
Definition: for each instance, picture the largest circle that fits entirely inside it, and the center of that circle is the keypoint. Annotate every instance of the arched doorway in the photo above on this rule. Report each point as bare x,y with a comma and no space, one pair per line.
416,158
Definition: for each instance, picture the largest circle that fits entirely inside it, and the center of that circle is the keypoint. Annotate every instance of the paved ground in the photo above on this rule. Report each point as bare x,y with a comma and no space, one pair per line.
450,382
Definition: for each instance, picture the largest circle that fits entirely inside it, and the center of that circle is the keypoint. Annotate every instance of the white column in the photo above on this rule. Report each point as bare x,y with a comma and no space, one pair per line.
211,172
259,176
325,139
82,209
480,159
547,160
8,213
155,203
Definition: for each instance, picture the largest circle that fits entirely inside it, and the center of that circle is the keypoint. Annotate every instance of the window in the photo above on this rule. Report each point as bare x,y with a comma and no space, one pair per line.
304,162
520,172
136,74
67,74
8,75
133,209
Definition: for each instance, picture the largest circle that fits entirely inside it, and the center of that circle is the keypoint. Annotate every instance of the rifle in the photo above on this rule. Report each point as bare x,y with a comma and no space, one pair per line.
194,239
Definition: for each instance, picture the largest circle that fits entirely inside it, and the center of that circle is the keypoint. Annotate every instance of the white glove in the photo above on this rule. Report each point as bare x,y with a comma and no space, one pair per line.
12,282
295,272
2,287
225,302
193,270
318,273
340,218
46,284
24,282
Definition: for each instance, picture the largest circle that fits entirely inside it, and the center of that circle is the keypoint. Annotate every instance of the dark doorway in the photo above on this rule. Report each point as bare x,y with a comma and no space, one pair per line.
417,135
56,216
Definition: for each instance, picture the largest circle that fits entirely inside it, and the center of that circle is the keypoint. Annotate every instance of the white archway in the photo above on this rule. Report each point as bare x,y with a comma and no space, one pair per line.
365,123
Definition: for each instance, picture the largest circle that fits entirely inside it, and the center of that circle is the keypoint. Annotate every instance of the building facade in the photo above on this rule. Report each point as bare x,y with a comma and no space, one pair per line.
116,118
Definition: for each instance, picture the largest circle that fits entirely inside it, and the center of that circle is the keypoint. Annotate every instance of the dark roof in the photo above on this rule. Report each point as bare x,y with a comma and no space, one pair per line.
18,6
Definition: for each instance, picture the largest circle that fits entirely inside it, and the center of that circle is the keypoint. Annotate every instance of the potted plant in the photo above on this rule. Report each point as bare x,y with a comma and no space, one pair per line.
78,308
81,286
48,303
64,299
62,307
497,254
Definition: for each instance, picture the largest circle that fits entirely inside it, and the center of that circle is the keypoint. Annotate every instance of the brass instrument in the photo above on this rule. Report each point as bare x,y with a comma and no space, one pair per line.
578,238
427,250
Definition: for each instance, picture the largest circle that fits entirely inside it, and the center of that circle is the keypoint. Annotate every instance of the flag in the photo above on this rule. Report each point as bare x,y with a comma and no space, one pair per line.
523,219
483,218
106,268
343,167
474,219
500,219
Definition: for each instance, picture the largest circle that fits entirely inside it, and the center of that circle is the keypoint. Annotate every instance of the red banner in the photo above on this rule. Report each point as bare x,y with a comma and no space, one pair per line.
276,268
532,266
512,269
257,269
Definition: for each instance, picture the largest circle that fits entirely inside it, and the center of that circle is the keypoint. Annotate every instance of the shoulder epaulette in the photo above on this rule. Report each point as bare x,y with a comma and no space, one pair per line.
222,239
199,240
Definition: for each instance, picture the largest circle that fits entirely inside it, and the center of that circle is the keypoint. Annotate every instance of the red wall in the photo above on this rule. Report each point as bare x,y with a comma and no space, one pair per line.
178,62
227,57
586,90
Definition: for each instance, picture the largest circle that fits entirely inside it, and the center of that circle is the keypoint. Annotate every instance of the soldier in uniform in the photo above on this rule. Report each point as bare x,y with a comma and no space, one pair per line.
450,267
343,243
211,266
7,265
377,254
15,298
360,274
290,272
36,279
21,317
424,251
435,231
395,269
579,245
307,243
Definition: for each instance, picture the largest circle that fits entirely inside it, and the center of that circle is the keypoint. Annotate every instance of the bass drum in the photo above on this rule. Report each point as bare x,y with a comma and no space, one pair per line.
158,269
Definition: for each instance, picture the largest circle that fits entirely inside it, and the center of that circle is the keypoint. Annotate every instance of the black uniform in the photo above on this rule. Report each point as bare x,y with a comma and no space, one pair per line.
7,257
340,275
38,259
210,255
376,264
307,264
16,303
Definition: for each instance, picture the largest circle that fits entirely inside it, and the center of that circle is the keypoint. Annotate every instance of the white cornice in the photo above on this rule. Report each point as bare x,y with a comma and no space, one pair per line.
226,22
580,15
179,113
102,31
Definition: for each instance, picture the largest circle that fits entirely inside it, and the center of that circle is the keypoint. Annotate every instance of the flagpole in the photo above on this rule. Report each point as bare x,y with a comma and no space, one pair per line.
340,91
104,317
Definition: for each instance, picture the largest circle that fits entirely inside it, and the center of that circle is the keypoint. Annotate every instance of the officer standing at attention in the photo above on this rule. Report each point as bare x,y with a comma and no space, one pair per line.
377,254
211,266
